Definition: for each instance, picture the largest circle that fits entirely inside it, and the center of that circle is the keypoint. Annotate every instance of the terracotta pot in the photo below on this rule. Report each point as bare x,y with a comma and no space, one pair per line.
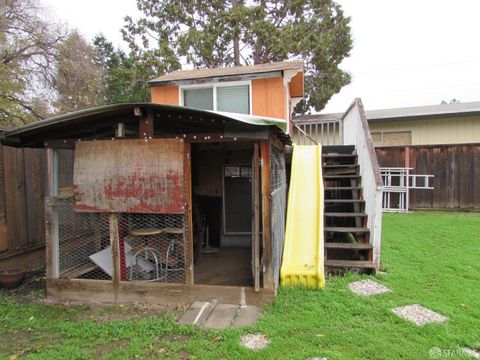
10,279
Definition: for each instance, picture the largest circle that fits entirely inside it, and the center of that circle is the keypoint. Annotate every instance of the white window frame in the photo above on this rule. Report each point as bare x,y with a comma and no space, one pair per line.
214,86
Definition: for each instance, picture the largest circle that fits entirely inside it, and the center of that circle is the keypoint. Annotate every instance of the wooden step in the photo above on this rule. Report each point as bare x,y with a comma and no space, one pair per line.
338,149
342,188
336,166
349,264
344,201
338,155
342,229
340,177
354,246
345,214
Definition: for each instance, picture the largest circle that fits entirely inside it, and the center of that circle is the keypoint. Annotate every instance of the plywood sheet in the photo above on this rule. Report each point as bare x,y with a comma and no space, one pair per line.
129,176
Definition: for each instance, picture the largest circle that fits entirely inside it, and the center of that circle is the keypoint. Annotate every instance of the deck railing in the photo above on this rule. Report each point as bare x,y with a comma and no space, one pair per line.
325,132
352,129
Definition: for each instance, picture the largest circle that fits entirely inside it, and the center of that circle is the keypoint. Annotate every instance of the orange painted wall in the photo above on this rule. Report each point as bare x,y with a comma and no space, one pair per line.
165,95
268,97
296,85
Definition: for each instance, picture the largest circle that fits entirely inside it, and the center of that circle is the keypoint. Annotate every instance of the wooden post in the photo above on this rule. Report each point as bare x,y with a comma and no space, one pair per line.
113,221
268,278
256,218
146,126
51,240
189,271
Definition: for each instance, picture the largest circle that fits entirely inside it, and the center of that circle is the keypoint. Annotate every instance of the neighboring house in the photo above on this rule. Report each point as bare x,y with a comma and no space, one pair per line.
421,125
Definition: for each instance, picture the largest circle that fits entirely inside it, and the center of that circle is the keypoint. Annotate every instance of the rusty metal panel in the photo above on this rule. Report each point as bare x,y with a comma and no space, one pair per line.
129,176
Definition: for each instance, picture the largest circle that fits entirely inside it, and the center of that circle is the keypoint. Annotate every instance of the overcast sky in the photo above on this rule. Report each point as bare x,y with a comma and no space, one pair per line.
405,53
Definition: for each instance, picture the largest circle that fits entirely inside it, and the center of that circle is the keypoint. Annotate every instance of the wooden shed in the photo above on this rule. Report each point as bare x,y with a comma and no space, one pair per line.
162,204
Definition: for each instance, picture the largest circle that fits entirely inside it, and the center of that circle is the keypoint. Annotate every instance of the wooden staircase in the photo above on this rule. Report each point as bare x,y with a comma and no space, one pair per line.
346,234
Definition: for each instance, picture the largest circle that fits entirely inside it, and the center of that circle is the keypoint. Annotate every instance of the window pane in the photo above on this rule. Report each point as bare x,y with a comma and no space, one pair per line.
233,99
198,98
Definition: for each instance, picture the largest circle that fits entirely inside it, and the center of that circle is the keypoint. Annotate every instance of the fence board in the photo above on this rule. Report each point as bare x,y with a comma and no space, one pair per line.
456,169
15,201
35,163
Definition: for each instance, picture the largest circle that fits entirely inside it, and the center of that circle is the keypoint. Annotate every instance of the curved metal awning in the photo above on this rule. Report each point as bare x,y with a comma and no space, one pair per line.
169,118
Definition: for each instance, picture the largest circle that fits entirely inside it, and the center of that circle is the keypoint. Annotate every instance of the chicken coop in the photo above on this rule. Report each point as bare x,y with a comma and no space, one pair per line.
161,204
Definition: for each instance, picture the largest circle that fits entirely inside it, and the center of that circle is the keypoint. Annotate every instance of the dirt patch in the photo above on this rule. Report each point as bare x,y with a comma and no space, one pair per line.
108,348
31,289
21,343
108,313
176,338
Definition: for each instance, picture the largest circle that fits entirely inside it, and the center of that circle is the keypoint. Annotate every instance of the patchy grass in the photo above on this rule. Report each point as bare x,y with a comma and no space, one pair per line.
432,259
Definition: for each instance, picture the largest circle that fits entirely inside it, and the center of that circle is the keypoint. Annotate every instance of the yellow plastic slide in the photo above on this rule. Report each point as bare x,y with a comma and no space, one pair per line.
303,249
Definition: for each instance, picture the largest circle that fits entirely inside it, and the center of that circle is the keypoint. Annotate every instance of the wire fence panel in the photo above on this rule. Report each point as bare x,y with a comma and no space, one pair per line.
84,250
153,247
278,186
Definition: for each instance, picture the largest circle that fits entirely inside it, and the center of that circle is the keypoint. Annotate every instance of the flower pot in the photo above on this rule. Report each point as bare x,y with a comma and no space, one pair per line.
10,279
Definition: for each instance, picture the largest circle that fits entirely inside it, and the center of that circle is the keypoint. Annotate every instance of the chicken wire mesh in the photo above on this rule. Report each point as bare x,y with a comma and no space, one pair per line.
83,243
153,247
278,186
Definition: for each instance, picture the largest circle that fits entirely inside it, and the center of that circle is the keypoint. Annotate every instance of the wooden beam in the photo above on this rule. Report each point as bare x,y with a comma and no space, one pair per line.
215,79
146,126
189,271
94,291
268,276
114,242
256,217
51,240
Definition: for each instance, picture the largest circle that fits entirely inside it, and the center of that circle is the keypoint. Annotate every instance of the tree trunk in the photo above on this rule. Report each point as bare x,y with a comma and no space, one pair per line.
236,41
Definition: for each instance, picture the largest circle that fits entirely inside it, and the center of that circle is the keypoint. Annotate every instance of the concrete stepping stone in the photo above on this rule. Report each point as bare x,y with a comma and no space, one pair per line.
222,316
255,342
419,314
367,288
247,315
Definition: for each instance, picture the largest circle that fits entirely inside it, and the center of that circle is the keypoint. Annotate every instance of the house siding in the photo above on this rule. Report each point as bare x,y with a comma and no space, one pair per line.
458,130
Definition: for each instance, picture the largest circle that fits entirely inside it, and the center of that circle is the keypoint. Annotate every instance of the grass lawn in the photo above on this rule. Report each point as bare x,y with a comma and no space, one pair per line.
432,259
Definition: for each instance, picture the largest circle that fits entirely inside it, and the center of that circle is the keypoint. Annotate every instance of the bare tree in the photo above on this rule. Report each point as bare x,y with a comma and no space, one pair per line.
28,49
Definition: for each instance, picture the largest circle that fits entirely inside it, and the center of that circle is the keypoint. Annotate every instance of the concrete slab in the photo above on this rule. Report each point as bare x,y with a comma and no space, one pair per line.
222,316
418,314
198,310
247,316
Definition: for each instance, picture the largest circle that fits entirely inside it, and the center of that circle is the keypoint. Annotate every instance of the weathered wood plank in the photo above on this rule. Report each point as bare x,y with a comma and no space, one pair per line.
268,275
189,273
15,201
91,291
34,183
130,176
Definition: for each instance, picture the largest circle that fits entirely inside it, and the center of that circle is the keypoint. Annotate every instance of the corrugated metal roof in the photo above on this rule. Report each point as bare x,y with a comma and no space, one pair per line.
175,118
228,71
406,113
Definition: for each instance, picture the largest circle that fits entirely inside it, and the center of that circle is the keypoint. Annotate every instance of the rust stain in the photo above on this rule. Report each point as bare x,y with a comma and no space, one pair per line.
130,176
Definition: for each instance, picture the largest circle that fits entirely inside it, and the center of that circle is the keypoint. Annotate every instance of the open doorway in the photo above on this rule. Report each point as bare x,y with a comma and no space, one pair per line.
222,213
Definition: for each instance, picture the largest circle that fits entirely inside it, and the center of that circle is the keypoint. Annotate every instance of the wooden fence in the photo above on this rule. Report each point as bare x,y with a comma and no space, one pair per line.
22,188
456,170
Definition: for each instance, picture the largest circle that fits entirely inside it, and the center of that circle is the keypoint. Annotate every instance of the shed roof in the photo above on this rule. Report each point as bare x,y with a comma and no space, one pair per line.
173,119
406,113
227,71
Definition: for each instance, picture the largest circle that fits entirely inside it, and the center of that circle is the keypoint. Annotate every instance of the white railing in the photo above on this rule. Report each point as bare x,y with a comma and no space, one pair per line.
356,132
397,184
325,132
